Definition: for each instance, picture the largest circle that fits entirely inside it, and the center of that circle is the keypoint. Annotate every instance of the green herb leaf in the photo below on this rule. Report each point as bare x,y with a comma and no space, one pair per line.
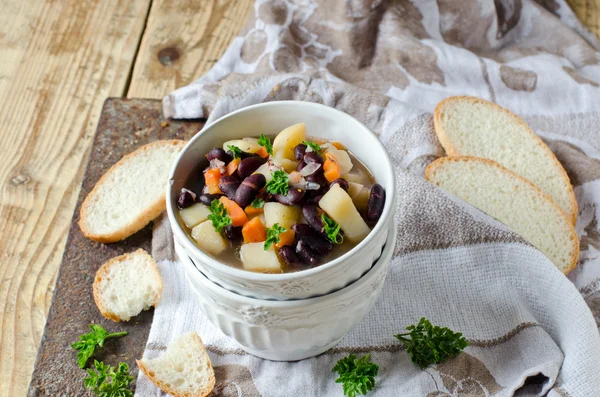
273,235
428,344
257,203
235,151
357,375
105,381
314,146
332,229
218,216
87,343
266,142
278,183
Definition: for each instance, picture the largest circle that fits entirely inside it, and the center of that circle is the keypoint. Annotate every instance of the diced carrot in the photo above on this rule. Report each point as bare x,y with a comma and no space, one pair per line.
331,167
262,152
286,238
236,213
254,231
233,165
250,210
338,145
211,179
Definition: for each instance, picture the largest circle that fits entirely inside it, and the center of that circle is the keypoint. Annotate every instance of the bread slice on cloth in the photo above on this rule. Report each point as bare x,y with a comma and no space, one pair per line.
468,126
184,370
126,285
130,194
512,200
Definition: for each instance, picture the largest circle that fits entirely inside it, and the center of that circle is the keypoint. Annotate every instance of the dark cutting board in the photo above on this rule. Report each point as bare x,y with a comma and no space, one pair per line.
125,124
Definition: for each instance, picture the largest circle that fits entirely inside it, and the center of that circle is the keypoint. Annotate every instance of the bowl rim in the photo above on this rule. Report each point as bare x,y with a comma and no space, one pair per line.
384,260
238,273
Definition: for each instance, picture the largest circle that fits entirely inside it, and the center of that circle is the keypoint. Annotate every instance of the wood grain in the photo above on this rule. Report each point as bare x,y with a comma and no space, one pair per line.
60,60
183,40
588,11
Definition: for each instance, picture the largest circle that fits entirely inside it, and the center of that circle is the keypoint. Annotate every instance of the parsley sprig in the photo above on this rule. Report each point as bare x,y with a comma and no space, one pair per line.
278,183
87,343
357,375
273,233
218,216
105,381
332,229
266,142
314,146
236,152
257,203
429,344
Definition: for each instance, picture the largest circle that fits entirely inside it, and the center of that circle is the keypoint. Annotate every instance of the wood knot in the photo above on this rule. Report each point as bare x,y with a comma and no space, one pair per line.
19,180
168,55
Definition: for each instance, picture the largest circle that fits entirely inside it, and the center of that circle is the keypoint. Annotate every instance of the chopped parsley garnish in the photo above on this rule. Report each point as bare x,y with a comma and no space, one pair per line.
278,183
266,142
108,382
428,344
273,235
219,216
332,229
235,151
314,146
357,375
86,345
257,203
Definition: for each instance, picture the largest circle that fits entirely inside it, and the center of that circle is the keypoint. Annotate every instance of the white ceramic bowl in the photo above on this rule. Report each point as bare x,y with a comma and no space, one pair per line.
289,330
270,118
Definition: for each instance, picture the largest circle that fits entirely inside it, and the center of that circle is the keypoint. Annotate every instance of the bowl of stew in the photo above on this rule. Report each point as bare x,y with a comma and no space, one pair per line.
282,200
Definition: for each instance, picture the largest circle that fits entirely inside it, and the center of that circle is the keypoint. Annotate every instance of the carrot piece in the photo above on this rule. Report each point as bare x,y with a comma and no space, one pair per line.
286,238
212,178
254,231
338,145
250,210
233,165
236,213
331,167
262,152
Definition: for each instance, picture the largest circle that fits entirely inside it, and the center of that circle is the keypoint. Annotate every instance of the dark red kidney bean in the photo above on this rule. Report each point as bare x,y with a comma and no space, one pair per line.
229,185
340,181
376,203
299,151
243,155
218,153
249,188
313,197
317,243
301,164
186,198
207,199
249,165
294,196
313,157
312,213
289,256
306,254
232,233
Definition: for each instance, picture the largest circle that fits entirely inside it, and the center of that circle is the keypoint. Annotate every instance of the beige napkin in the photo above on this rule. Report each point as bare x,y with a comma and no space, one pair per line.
388,63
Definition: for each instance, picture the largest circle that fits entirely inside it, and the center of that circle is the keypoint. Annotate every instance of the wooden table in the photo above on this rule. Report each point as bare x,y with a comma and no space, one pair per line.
60,60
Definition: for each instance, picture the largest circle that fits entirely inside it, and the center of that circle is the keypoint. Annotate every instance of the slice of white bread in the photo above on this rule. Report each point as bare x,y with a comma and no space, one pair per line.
512,200
130,194
468,126
184,370
126,285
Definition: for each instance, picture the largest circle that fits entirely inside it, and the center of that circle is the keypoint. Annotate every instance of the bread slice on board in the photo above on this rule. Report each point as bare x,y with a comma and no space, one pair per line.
130,194
184,370
468,126
512,200
126,285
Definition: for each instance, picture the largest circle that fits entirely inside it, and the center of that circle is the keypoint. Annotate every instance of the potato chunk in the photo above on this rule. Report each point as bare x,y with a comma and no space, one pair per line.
244,146
285,215
285,142
208,239
256,259
359,194
339,206
194,214
286,164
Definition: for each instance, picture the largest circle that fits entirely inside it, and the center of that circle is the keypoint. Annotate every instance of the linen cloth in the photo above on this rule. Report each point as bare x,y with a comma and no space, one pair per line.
388,63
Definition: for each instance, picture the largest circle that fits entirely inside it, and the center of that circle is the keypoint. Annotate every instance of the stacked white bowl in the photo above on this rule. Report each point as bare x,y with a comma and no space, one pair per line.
288,316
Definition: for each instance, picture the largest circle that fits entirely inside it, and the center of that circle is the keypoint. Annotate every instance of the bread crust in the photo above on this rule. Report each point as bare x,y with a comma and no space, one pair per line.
434,166
144,217
452,151
206,389
105,268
